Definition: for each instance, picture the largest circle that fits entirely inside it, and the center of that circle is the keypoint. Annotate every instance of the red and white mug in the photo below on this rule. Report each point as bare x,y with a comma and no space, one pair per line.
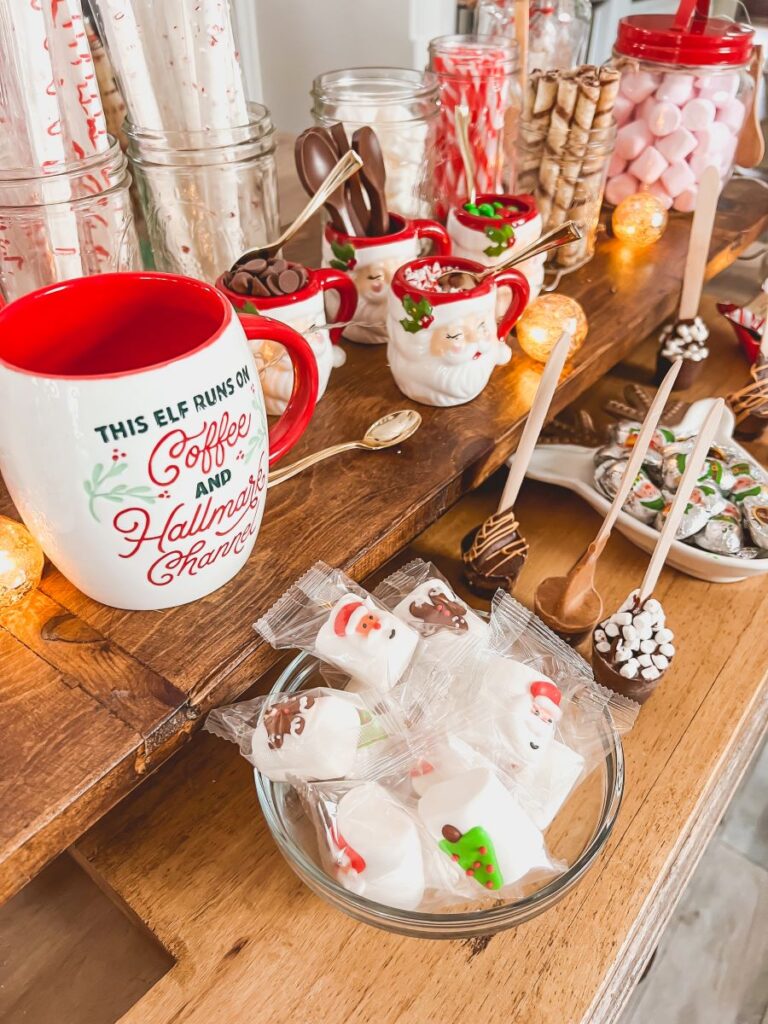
443,346
305,312
133,434
371,263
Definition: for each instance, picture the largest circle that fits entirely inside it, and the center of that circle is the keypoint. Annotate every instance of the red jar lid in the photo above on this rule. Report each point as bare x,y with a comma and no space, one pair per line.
688,38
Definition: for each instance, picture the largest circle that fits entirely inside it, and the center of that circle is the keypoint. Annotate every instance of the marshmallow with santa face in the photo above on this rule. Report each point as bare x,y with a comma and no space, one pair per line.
307,737
376,848
444,345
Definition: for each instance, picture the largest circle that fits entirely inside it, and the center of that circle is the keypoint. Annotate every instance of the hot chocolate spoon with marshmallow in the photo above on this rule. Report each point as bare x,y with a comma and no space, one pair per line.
633,648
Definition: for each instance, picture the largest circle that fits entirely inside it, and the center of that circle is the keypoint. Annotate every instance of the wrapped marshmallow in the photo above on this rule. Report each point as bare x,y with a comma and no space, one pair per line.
328,615
544,787
480,825
376,848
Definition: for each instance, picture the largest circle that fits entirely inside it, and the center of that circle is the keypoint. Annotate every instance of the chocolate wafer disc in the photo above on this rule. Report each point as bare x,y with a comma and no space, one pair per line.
289,281
241,283
257,266
257,288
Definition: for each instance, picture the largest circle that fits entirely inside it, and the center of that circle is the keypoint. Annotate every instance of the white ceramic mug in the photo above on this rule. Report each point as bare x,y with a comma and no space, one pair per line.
489,240
133,435
305,312
443,346
371,262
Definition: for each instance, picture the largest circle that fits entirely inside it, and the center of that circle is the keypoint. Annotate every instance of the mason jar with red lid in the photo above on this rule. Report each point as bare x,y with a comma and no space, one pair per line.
684,95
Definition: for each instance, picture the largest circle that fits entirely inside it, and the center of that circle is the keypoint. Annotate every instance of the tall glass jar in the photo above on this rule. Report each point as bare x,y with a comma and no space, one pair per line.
207,195
74,222
558,30
567,178
684,95
479,72
401,106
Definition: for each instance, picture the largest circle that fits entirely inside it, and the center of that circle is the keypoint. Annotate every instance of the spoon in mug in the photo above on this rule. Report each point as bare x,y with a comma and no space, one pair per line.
465,279
386,432
348,165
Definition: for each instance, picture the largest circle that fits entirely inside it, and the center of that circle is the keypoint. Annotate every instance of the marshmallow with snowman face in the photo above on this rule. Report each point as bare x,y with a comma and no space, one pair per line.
376,848
307,737
366,642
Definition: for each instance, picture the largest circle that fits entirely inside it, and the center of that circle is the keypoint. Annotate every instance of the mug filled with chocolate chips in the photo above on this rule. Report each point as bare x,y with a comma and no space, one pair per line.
294,295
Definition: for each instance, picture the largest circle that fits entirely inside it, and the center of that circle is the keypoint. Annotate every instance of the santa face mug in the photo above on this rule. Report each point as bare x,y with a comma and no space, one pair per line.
489,240
443,346
133,435
305,312
371,264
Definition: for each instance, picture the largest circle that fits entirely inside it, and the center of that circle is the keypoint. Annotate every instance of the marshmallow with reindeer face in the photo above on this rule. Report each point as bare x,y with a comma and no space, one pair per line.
368,643
307,737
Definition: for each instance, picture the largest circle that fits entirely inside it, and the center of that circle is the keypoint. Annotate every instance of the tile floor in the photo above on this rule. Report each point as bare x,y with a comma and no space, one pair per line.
712,962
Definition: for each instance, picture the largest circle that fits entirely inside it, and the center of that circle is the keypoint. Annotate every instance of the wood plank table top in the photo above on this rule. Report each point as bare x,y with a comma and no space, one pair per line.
191,856
92,699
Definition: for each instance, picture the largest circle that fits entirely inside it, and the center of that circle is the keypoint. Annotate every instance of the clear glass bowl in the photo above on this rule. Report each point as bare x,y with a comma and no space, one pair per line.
576,836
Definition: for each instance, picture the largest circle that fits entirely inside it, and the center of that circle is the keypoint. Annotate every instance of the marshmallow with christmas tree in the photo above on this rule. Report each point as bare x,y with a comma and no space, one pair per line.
376,848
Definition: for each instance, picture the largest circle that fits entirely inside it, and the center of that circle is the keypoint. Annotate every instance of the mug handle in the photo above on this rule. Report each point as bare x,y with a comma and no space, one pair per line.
521,293
294,421
436,233
337,281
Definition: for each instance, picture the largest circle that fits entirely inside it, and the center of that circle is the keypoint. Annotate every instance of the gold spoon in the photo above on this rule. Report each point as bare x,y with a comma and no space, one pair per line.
463,279
390,430
348,165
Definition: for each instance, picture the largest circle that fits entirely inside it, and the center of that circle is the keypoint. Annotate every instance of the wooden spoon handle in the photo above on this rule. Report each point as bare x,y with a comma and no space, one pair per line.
642,441
690,477
751,146
698,243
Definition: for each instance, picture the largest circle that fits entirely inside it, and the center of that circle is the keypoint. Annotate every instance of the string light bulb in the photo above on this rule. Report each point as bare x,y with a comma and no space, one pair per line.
639,220
543,322
21,562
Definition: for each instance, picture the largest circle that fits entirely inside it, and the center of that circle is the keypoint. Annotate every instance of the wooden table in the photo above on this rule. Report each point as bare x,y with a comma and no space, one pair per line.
192,858
92,699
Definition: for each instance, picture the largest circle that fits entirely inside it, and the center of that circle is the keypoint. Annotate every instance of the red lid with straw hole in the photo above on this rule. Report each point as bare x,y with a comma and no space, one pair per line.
689,38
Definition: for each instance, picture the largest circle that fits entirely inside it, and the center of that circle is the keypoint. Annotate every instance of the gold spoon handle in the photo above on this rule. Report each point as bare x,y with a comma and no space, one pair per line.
568,232
279,476
348,165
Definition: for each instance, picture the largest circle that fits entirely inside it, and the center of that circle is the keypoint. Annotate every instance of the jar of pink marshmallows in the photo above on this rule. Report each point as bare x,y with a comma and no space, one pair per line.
684,95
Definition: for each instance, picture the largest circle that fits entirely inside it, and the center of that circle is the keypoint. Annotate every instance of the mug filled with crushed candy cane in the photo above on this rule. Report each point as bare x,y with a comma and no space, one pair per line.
444,343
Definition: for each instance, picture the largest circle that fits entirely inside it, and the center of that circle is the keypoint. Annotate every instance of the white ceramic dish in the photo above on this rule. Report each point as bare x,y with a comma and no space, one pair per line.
573,466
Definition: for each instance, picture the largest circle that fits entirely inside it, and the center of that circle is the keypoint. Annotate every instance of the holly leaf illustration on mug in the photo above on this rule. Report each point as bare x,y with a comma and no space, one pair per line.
502,238
248,307
117,493
419,315
344,256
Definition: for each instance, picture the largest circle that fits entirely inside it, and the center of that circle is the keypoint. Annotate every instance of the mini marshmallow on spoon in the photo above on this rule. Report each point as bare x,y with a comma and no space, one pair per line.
633,648
686,337
495,552
570,605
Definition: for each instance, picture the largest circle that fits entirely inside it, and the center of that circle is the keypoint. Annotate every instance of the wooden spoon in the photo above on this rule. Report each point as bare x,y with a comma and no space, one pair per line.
361,215
751,145
365,143
570,604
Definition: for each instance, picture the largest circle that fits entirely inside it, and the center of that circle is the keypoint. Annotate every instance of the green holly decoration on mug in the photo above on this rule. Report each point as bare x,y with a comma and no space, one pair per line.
419,315
344,256
474,853
248,307
502,239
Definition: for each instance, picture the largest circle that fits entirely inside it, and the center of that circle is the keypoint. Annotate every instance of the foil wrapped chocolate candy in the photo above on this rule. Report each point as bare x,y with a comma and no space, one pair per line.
756,519
645,499
723,534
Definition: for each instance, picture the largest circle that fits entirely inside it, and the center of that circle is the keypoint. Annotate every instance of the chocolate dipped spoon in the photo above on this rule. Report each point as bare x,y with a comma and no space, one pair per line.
365,143
495,552
632,649
570,605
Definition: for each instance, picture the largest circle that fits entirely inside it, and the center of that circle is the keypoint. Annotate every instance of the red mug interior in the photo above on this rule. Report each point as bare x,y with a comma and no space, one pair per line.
110,325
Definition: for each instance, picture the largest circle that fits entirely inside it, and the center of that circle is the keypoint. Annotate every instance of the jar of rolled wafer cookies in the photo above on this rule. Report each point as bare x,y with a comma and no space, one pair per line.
565,143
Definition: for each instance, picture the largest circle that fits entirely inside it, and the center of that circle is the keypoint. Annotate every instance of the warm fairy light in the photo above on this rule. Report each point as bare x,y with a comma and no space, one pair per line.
21,562
541,325
640,219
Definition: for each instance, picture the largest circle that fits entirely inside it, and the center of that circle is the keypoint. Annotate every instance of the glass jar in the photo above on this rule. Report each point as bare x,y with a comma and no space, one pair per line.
401,106
558,30
683,98
207,195
566,175
74,222
479,72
